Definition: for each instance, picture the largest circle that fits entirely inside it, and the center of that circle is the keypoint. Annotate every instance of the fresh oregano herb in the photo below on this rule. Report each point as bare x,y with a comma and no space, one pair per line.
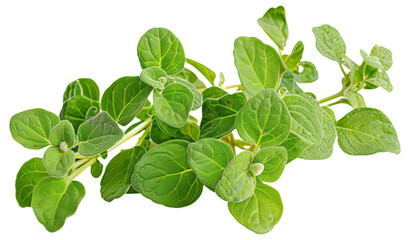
176,154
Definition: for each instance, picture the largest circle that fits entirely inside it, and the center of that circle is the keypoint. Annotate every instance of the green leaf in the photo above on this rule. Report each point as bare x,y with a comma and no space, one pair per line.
325,149
159,47
355,74
365,131
143,114
274,161
58,163
309,73
378,78
213,92
208,158
292,61
117,176
380,58
197,95
221,79
161,132
97,169
163,175
154,76
31,128
329,42
98,134
274,24
294,146
218,115
82,87
62,132
76,110
289,83
261,212
264,120
29,175
208,73
56,199
125,98
189,76
173,105
237,183
305,120
355,99
259,65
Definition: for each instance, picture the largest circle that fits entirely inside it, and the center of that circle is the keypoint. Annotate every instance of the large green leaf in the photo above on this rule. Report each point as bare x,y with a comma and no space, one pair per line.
154,76
261,212
208,158
294,146
264,120
274,161
213,92
189,76
29,175
218,115
197,95
56,199
76,110
58,163
117,176
292,61
208,73
125,98
173,105
163,175
161,132
380,58
31,128
259,65
82,87
237,183
325,149
274,24
329,42
98,134
159,47
305,120
365,131
62,132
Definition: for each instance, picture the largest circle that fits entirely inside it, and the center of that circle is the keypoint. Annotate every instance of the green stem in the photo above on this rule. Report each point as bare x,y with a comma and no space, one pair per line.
90,162
239,86
339,94
343,71
144,135
79,163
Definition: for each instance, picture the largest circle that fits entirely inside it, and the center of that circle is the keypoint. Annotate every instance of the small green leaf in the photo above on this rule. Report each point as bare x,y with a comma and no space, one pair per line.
98,134
62,132
237,183
97,169
197,95
125,98
380,58
355,99
208,158
221,79
305,120
29,175
31,128
173,105
92,112
292,61
365,131
189,76
117,176
325,149
218,115
264,120
161,132
82,87
208,73
294,146
144,113
77,110
154,76
213,92
259,65
274,161
329,42
289,83
378,78
163,175
261,212
56,199
159,47
309,73
57,163
274,24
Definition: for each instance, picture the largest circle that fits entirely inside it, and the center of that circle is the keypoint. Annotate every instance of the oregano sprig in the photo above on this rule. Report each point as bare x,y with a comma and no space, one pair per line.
175,154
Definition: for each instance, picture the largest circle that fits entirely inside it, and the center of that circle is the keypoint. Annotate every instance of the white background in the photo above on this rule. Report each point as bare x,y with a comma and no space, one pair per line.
44,45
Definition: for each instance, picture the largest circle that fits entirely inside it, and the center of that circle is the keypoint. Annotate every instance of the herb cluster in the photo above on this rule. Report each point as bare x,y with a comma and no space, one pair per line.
176,155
